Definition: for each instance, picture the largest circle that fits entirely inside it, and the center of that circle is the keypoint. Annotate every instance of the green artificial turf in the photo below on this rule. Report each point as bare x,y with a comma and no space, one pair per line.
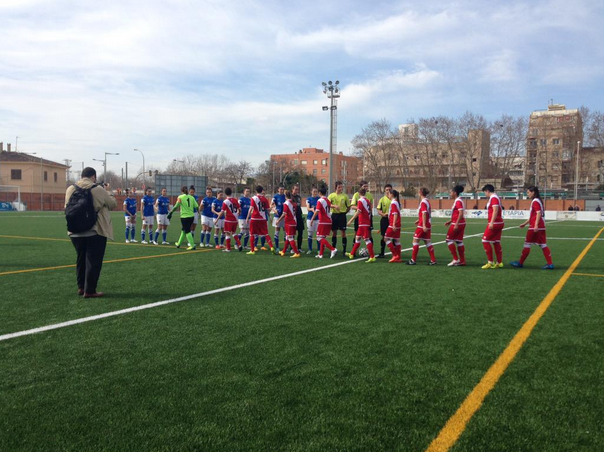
352,357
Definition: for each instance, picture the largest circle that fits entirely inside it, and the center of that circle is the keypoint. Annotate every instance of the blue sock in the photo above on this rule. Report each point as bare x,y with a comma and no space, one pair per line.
276,240
127,233
156,235
310,241
246,239
263,240
143,235
132,231
164,235
222,239
216,239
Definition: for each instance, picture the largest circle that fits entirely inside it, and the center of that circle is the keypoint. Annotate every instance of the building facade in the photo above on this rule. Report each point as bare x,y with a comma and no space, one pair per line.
313,161
554,137
591,168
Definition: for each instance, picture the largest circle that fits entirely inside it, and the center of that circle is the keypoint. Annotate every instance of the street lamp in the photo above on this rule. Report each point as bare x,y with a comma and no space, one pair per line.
105,165
138,150
332,91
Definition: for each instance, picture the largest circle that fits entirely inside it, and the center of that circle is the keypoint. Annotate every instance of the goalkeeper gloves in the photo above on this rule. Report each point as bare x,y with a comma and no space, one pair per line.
170,216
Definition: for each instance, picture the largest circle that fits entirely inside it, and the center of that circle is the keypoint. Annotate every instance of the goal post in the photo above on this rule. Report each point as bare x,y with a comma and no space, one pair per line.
10,198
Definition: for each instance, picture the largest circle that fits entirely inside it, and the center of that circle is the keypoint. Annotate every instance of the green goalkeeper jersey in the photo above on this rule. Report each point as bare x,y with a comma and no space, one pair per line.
187,205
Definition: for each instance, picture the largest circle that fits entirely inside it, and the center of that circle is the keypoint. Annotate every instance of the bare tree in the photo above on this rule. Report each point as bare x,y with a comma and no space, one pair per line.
508,143
236,173
376,144
474,149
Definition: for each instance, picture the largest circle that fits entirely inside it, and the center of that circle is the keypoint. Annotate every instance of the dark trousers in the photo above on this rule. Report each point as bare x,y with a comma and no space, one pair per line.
91,251
300,229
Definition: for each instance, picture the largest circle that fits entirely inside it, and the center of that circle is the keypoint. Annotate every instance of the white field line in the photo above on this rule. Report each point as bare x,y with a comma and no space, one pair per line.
56,326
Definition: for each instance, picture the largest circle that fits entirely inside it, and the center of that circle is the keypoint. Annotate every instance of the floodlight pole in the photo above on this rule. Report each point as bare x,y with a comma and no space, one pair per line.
105,165
577,172
333,93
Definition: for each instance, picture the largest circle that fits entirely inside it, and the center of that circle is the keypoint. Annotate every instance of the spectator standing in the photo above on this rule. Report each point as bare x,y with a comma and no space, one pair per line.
90,245
297,199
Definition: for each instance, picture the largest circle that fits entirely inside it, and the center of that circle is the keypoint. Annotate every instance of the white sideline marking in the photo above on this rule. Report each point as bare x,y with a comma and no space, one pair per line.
156,304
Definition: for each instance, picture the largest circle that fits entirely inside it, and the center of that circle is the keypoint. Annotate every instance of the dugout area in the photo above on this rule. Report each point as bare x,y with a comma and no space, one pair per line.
349,357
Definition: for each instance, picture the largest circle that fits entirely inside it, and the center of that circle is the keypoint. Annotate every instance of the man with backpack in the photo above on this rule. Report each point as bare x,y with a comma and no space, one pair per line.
87,211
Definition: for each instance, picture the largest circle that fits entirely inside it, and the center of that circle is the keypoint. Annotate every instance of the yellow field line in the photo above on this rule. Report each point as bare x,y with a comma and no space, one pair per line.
126,259
64,240
588,274
458,422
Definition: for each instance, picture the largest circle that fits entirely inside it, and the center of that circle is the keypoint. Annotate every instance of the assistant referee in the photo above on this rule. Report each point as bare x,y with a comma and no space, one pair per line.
383,209
340,206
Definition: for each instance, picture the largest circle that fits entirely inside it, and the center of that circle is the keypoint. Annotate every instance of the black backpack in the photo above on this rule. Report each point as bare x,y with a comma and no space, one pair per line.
79,212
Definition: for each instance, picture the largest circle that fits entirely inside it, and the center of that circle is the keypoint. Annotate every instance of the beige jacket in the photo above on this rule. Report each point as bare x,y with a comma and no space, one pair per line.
104,202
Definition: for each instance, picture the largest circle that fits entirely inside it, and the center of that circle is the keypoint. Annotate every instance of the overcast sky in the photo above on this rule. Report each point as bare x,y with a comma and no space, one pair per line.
243,78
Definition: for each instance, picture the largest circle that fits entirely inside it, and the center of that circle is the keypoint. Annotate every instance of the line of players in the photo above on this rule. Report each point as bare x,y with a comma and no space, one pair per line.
327,215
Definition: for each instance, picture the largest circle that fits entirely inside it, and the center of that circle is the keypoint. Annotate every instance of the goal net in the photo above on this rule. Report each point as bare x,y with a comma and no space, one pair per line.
10,198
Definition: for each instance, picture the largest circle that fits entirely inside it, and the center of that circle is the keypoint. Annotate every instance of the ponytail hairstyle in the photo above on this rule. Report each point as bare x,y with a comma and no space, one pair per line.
396,195
184,189
458,189
288,194
535,191
424,191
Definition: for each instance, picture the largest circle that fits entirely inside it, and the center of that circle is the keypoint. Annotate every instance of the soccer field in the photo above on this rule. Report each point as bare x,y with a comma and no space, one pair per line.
310,355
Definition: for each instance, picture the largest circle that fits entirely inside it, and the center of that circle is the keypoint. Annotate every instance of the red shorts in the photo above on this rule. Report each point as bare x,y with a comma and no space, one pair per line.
536,237
258,227
493,235
290,229
230,226
392,234
452,234
323,230
420,234
364,231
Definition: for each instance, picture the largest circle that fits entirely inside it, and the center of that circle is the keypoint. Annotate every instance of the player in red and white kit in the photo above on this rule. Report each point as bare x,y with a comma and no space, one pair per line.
323,214
492,234
393,233
363,213
457,226
291,225
424,228
536,231
257,216
230,208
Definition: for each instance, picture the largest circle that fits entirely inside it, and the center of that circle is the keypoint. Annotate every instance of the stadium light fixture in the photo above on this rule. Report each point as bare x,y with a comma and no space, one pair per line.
332,91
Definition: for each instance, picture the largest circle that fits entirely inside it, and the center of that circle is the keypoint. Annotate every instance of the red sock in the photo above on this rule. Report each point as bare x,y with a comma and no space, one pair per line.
370,249
431,251
237,241
453,250
325,243
392,249
462,253
398,249
498,252
227,242
489,250
524,255
294,246
548,255
321,247
252,242
269,241
414,252
284,250
355,247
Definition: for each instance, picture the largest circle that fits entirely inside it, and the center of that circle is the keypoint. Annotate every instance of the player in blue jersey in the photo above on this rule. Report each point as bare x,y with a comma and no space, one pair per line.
311,205
196,216
218,220
130,216
148,210
162,205
244,224
277,208
207,218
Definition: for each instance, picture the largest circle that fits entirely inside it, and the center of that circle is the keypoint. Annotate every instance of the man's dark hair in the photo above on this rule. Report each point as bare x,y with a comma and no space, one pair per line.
192,187
363,182
323,190
228,191
259,189
246,188
488,187
458,189
281,186
387,186
338,183
88,172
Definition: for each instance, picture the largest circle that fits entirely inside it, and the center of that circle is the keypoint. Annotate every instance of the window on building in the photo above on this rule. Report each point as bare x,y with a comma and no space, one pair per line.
314,172
556,141
532,144
566,155
474,159
45,176
543,142
56,177
556,154
324,162
295,162
534,132
314,162
15,174
323,171
541,166
304,162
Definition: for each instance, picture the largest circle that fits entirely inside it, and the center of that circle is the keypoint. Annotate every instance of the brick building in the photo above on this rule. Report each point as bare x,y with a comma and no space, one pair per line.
553,137
315,162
